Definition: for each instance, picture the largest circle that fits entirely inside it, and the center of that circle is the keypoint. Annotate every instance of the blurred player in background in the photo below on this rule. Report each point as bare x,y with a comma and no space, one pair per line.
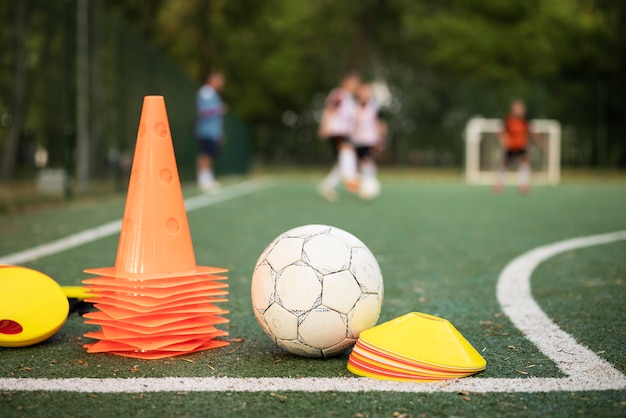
209,129
336,127
368,138
514,143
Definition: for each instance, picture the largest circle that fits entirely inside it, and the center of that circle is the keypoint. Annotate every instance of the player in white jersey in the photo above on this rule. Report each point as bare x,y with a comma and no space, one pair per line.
336,127
368,138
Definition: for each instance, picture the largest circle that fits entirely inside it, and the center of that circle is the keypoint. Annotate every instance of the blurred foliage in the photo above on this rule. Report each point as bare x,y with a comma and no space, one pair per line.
443,62
284,50
436,56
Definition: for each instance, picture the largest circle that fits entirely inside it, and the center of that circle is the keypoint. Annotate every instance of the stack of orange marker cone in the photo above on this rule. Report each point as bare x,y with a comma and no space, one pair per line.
155,302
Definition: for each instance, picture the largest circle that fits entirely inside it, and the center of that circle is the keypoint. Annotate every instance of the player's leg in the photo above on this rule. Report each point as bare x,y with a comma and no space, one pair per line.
330,182
498,186
327,188
207,150
203,168
369,187
524,173
347,164
367,163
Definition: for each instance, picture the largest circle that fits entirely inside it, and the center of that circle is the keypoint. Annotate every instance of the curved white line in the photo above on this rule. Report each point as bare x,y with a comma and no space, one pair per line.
585,370
583,366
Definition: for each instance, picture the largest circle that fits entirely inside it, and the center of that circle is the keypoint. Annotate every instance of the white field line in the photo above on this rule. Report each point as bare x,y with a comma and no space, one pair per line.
585,370
285,384
113,227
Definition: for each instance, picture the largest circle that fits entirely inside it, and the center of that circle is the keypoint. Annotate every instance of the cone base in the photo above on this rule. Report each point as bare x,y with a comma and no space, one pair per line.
155,354
426,339
364,370
115,272
199,307
415,347
388,363
175,317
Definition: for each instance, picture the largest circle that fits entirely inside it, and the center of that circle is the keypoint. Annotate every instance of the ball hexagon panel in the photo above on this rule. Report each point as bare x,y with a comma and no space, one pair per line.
338,348
262,258
327,253
307,231
262,286
364,315
296,347
348,238
281,323
322,328
262,323
286,252
341,291
366,270
298,288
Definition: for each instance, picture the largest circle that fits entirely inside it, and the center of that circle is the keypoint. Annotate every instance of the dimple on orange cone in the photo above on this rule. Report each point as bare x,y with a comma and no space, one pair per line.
155,302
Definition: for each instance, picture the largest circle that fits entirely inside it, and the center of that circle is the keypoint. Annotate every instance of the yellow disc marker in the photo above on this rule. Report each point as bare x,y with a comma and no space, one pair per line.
427,340
32,306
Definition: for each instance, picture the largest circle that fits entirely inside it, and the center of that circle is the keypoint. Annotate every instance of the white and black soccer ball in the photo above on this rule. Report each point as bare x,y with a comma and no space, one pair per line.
315,288
369,188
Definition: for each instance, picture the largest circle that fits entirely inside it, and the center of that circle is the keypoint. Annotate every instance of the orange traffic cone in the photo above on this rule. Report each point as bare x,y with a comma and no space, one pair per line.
156,302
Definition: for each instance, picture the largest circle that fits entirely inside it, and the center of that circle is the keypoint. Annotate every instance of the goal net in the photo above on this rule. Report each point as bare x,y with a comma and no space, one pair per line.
483,154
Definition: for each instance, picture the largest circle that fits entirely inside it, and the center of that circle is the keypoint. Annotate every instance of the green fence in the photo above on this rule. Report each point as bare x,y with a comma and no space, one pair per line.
122,68
427,115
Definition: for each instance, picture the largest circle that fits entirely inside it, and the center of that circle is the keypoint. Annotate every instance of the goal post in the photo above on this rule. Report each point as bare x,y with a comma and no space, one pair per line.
483,153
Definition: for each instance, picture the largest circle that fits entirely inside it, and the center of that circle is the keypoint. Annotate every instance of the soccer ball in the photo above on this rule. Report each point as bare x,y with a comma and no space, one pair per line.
315,288
370,188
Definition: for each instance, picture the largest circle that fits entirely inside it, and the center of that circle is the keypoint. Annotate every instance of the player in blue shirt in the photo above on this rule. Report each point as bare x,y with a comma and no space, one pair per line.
209,128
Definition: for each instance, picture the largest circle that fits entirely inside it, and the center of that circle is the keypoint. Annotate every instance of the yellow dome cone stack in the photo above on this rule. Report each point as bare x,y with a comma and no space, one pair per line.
155,302
414,347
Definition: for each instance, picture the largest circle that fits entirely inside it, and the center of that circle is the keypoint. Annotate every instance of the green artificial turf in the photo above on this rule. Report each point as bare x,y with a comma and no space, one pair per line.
584,291
440,244
298,404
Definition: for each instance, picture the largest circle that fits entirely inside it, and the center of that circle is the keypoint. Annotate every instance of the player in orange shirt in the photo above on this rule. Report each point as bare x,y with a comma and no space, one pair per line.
514,142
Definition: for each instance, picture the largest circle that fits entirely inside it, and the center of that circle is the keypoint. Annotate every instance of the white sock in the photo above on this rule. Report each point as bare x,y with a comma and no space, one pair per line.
333,178
501,176
524,174
369,170
347,163
205,176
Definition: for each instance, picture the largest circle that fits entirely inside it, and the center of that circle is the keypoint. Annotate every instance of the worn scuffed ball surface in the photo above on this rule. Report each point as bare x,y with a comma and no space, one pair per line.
315,288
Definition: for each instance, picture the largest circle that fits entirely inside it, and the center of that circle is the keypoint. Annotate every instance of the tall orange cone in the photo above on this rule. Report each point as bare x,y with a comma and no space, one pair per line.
155,302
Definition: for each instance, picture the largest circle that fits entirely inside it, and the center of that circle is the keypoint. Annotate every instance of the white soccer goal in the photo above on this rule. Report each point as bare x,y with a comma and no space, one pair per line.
483,153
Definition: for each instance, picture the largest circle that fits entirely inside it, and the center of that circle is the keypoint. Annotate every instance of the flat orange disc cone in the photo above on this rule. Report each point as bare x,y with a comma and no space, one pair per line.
195,308
426,339
32,307
156,283
365,354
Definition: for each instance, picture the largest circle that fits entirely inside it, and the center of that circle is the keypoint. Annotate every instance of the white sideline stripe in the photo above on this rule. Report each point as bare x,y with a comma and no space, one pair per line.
113,227
585,370
284,384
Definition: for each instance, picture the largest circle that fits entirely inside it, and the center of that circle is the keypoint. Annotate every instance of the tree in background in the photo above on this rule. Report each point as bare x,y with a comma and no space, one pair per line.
443,61
280,53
